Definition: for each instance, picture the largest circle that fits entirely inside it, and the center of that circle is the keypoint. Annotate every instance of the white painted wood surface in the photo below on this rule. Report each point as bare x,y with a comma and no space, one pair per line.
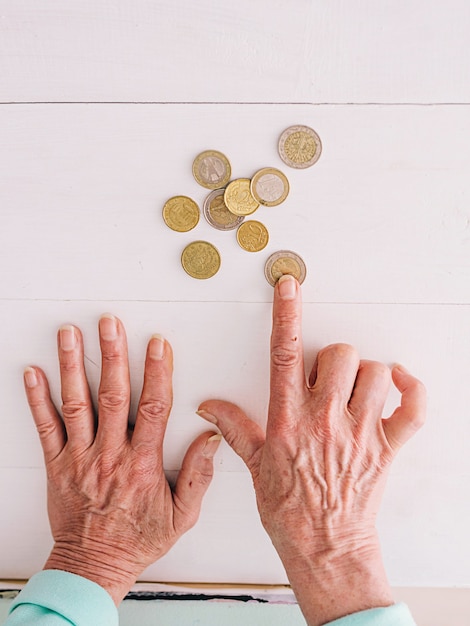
383,222
243,51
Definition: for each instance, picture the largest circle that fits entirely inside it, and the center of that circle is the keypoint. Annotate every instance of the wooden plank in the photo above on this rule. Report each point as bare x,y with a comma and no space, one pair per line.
221,349
266,51
382,217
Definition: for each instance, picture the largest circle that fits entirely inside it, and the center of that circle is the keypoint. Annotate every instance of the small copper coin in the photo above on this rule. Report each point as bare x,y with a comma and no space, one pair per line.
217,214
299,146
238,198
212,169
200,259
181,213
253,236
284,262
269,186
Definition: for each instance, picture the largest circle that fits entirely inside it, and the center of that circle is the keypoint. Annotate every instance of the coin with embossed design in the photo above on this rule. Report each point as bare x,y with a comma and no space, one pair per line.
253,236
211,169
217,214
181,213
269,186
284,262
238,198
200,259
299,146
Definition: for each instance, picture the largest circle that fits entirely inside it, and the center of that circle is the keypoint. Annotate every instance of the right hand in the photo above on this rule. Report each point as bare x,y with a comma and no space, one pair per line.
319,470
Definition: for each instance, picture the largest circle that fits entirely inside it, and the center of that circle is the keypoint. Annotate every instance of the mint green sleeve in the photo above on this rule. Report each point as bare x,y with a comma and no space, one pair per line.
55,598
395,615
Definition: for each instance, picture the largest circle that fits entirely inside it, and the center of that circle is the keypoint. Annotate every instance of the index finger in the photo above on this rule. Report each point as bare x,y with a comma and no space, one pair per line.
287,362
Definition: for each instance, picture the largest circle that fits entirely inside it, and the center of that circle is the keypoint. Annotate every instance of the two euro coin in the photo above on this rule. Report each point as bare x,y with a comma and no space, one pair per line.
284,262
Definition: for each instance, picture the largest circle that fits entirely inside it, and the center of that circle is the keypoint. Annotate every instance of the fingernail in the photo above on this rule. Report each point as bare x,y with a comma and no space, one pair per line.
156,347
67,338
211,446
287,287
207,416
108,327
401,368
30,378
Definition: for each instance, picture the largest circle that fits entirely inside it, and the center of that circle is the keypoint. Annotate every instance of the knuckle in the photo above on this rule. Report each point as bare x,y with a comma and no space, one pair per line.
203,477
285,356
234,438
112,356
70,365
418,419
155,410
379,370
286,318
113,399
339,350
74,409
46,430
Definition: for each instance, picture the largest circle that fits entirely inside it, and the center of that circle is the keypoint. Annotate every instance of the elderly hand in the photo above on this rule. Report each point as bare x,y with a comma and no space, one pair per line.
319,470
111,510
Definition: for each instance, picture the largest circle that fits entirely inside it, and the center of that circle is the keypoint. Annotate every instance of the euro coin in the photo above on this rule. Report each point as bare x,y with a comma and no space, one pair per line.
253,236
238,198
200,259
181,213
284,262
211,169
269,186
299,147
217,214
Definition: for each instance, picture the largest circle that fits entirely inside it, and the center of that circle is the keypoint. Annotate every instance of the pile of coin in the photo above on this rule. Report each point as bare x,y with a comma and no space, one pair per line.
230,202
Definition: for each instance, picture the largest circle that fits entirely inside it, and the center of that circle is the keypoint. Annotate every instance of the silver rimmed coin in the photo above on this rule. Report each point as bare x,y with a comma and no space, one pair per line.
284,262
269,186
299,146
217,214
212,169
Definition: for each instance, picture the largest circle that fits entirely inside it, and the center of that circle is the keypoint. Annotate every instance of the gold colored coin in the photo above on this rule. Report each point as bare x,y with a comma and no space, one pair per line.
299,147
253,236
181,213
269,186
284,262
212,169
200,259
238,198
217,214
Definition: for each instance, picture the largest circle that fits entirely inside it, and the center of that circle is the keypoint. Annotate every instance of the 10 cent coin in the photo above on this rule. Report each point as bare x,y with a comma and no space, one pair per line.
253,236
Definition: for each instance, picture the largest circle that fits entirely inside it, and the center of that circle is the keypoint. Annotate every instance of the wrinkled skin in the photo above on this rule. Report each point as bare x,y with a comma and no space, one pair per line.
319,470
111,510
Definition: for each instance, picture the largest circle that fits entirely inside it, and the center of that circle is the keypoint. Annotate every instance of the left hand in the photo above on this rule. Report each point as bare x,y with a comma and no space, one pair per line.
111,509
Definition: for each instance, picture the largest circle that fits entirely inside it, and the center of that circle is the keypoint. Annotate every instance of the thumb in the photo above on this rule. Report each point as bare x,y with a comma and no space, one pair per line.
239,431
411,414
193,480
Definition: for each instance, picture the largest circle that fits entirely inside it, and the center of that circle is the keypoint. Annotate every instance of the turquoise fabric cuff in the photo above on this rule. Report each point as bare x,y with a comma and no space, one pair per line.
76,599
395,615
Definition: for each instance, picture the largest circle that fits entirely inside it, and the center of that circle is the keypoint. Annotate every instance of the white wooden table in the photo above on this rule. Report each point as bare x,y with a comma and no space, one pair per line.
103,110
